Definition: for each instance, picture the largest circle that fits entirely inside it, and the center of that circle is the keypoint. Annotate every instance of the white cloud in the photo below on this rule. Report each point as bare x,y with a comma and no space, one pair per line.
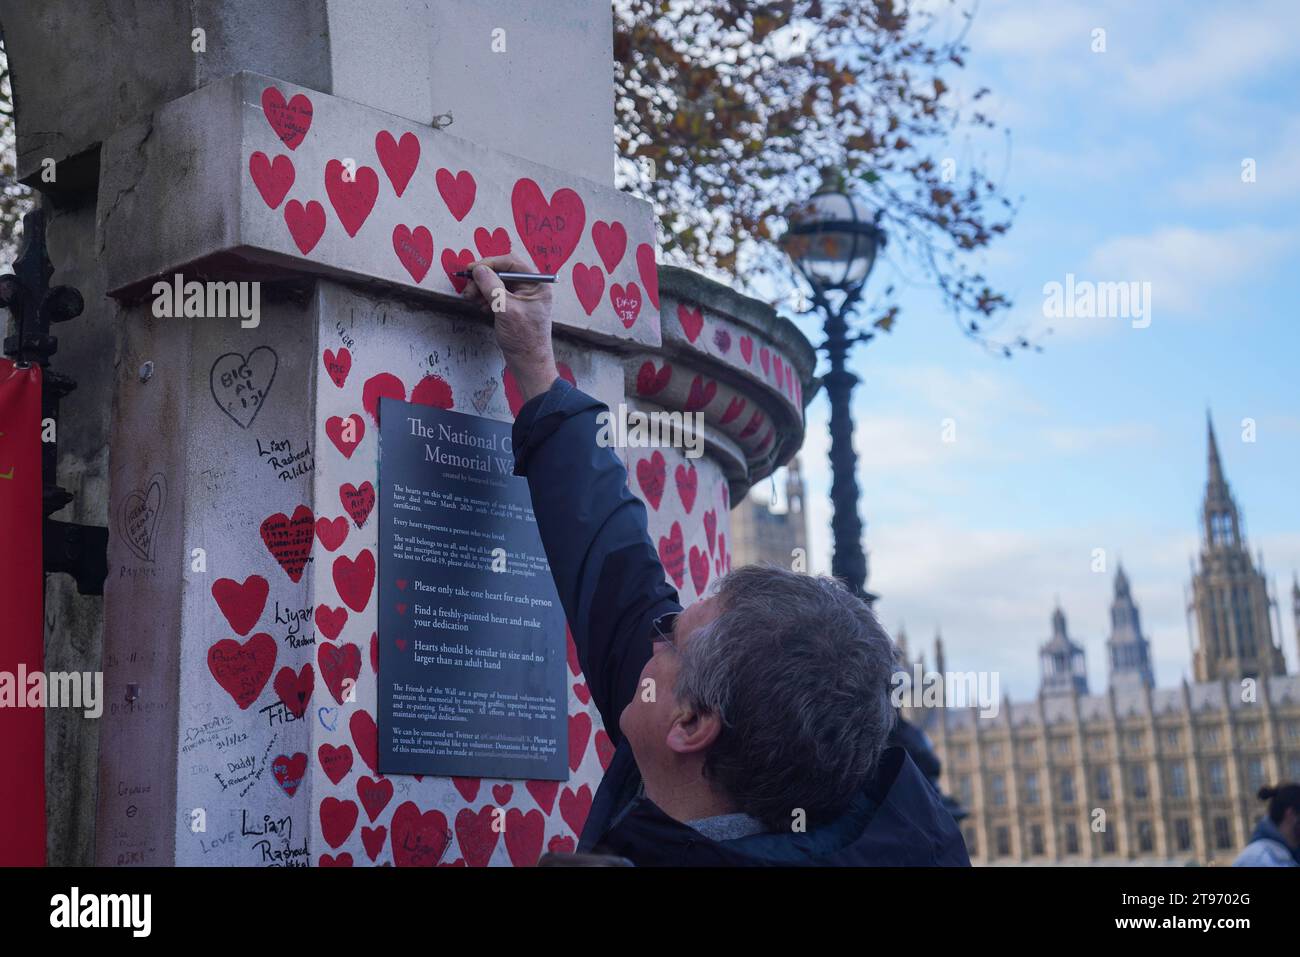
1220,182
1217,53
1185,265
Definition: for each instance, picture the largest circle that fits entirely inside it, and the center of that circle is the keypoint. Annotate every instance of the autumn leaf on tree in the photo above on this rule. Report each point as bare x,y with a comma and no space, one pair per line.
726,114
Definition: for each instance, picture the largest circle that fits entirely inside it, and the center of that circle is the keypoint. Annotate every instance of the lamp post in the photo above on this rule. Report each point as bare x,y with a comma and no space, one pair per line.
833,245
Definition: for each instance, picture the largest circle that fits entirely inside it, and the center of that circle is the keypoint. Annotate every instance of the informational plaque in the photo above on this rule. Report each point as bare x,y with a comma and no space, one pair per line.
472,656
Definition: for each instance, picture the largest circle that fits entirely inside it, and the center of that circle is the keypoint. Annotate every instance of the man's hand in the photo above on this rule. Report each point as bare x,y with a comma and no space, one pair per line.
522,319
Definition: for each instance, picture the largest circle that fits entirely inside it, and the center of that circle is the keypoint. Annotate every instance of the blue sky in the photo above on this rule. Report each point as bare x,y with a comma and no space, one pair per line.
1129,166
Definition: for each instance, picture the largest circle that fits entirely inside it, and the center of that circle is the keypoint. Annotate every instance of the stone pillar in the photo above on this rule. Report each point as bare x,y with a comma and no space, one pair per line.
308,147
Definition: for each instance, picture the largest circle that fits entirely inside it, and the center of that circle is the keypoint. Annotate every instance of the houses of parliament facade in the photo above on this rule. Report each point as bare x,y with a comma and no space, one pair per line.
1136,774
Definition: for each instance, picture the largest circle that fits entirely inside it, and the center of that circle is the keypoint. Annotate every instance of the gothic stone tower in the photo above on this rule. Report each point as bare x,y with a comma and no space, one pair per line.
1130,652
1062,662
1229,596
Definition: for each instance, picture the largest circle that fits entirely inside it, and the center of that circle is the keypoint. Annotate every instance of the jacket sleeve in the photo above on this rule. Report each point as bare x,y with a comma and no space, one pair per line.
606,569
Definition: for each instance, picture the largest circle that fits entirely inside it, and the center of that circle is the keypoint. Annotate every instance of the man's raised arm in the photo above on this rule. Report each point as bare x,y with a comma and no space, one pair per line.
606,570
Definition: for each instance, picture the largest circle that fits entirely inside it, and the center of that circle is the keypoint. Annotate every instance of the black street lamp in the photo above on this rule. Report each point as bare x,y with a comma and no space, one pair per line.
834,246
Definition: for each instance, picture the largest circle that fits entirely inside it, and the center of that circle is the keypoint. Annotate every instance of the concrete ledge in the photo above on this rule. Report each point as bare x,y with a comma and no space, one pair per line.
288,176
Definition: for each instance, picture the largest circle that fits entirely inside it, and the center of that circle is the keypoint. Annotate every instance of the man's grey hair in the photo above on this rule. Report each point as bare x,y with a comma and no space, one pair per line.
798,670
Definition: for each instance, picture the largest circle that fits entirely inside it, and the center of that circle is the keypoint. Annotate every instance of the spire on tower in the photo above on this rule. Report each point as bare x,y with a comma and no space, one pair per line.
1121,581
1216,467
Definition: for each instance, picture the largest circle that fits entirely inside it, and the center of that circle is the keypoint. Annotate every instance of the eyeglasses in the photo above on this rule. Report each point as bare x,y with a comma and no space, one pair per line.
661,629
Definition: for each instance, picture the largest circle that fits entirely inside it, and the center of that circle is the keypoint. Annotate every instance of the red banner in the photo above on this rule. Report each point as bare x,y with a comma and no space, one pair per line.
22,726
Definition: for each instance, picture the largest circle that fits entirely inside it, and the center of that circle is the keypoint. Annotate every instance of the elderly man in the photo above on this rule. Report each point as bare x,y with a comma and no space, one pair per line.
750,728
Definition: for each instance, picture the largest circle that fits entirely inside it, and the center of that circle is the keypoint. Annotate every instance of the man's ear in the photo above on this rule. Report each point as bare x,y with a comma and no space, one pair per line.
693,732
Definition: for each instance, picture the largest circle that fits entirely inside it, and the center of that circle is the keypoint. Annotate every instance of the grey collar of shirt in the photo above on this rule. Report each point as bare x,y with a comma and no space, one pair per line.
727,827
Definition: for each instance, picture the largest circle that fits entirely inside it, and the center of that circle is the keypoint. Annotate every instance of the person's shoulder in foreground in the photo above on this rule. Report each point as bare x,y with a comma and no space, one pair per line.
896,820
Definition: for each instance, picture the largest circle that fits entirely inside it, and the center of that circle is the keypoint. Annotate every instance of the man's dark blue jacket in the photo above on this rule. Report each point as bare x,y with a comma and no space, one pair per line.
612,586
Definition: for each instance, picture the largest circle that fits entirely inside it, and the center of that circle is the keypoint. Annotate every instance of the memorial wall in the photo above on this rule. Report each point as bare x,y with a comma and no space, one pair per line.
328,636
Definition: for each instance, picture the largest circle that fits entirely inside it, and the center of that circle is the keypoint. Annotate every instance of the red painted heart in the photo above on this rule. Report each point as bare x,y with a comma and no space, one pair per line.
692,320
561,844
688,482
346,434
457,191
351,193
433,390
241,604
418,840
340,667
650,382
295,688
380,385
468,787
610,240
338,365
626,302
550,231
701,393
329,860
366,737
747,349
374,795
289,540
291,120
358,502
734,408
651,474
454,262
335,762
306,223
243,669
575,806
543,793
372,839
579,732
753,425
589,284
604,749
525,834
398,157
475,835
414,249
699,569
673,555
648,270
710,527
273,178
764,358
337,819
289,771
355,578
495,243
329,622
501,793
332,531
